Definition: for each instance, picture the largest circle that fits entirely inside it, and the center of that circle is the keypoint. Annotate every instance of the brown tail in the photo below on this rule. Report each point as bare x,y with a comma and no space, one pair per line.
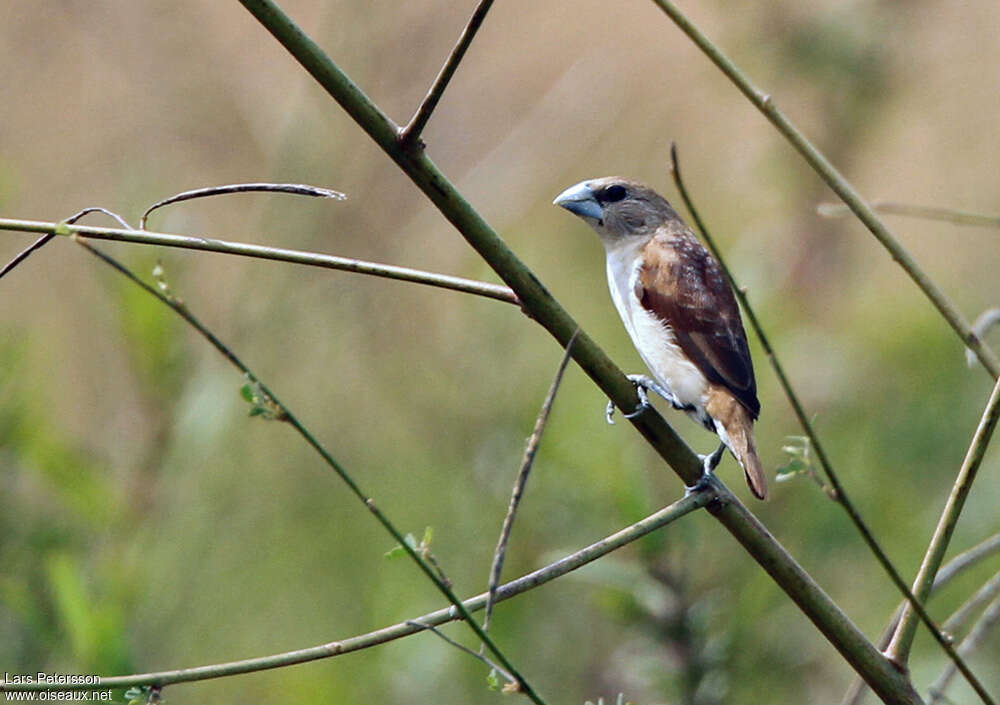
745,449
735,418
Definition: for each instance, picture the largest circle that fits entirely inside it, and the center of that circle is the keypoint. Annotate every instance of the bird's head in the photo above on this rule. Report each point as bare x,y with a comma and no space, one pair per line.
617,208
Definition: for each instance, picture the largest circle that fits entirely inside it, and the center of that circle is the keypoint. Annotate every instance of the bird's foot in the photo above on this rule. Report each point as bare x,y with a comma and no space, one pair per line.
708,464
642,384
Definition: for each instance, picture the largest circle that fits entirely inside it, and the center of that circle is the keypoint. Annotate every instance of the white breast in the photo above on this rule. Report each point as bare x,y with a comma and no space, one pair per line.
651,336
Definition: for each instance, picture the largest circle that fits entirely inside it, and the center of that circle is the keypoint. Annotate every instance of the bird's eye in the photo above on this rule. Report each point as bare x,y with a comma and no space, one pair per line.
613,193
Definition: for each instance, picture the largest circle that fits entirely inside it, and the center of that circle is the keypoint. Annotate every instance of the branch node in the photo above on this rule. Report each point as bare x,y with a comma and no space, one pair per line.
409,140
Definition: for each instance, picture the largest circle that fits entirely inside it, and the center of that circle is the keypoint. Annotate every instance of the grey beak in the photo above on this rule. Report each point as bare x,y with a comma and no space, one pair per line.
580,201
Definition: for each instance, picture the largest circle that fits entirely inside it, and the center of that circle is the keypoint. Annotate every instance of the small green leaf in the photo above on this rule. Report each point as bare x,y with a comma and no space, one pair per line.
428,536
493,680
246,391
394,552
398,550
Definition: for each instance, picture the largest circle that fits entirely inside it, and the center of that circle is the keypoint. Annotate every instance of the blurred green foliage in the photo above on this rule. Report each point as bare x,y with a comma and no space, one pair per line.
148,524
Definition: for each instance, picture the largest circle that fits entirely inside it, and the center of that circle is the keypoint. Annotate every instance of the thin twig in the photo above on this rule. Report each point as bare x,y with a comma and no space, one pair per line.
983,595
409,136
951,570
312,259
287,416
838,183
557,569
965,560
886,680
838,494
947,215
24,254
462,647
295,189
984,321
843,188
520,481
41,242
902,640
990,618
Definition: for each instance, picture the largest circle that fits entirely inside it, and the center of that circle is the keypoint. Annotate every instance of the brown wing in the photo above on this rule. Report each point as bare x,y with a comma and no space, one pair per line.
682,284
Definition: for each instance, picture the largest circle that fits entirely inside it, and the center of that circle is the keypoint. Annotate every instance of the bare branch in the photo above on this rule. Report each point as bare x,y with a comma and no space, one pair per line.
947,215
982,596
966,560
523,584
285,414
986,320
295,189
902,640
952,569
990,619
41,242
890,683
409,136
462,647
312,259
521,481
838,493
25,253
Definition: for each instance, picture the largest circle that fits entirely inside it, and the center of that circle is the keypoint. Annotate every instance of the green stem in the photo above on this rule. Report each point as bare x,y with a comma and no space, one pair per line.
902,639
884,678
985,624
910,210
288,417
312,259
411,133
530,581
839,493
952,569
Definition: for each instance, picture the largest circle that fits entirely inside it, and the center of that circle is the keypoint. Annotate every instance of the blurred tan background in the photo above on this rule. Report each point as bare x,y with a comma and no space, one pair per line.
148,524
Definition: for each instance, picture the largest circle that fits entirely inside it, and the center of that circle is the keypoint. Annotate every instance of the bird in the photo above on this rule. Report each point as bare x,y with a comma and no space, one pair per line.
680,311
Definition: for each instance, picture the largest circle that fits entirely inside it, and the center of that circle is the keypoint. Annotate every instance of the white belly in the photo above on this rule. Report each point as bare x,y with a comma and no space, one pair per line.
652,337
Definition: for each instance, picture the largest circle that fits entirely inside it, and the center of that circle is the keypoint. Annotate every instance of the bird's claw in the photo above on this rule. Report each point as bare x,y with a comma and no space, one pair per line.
708,464
642,384
703,483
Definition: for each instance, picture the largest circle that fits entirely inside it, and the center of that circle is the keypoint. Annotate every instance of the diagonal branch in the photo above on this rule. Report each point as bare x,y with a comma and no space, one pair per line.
409,136
312,259
839,493
902,640
989,620
530,450
462,647
25,254
891,684
838,183
978,600
967,559
946,215
285,414
527,582
952,569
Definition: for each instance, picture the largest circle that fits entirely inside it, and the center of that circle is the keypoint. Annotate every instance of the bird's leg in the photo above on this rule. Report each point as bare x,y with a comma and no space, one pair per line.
708,464
642,384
